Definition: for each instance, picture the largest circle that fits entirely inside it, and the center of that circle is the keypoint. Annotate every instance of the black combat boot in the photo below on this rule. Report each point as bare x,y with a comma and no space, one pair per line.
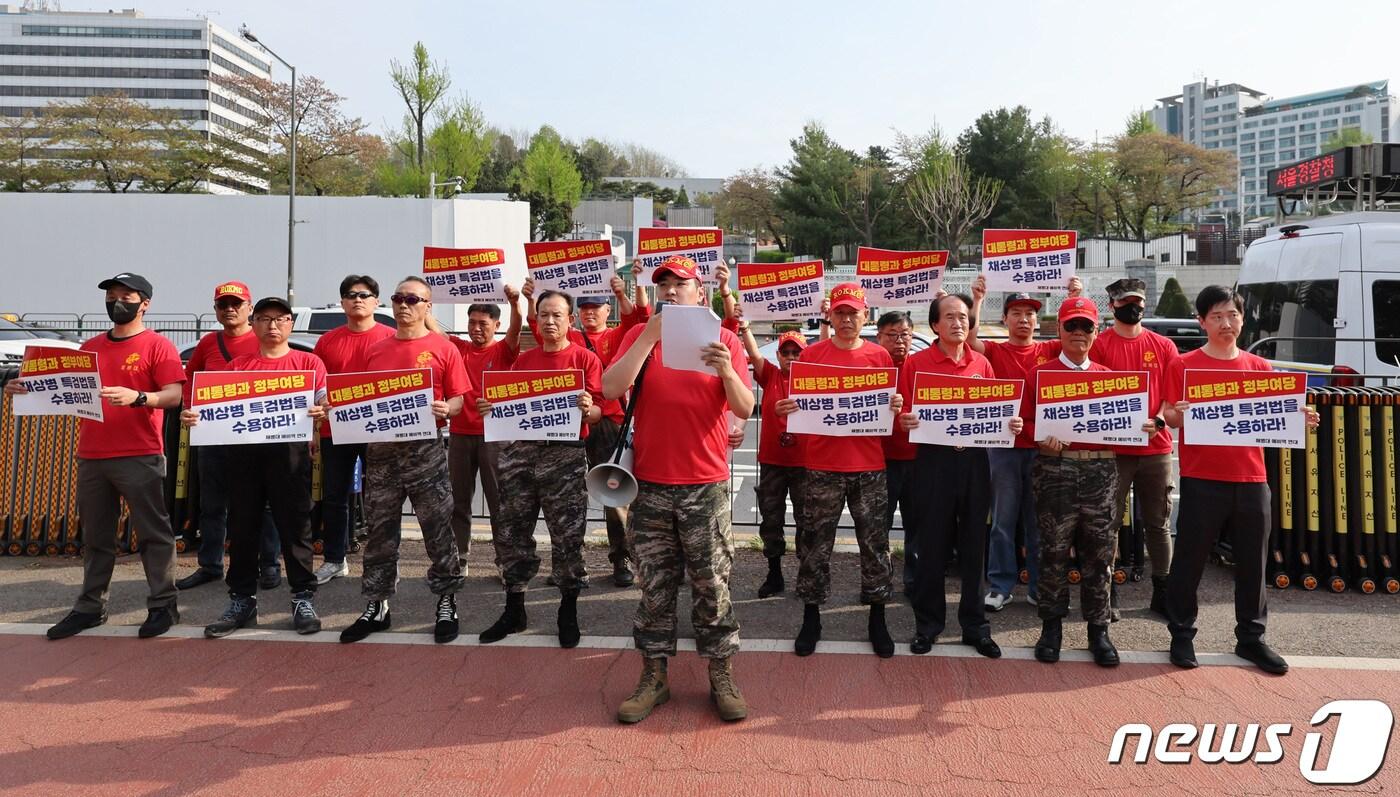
512,620
811,631
774,583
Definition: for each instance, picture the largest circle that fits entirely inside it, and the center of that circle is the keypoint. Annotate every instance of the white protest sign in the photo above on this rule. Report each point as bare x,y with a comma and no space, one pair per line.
60,382
533,405
841,401
381,406
245,407
1245,408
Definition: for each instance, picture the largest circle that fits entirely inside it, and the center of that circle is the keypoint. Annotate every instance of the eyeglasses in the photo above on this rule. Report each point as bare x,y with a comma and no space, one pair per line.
281,320
357,295
1079,325
898,335
409,299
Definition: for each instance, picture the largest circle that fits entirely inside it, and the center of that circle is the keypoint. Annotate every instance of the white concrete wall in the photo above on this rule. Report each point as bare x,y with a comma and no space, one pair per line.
55,248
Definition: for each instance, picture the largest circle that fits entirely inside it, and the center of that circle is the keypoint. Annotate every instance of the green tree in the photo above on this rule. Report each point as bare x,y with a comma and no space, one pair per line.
1346,137
682,199
548,178
596,160
949,201
420,83
1139,123
24,165
808,194
501,163
1173,303
1006,145
749,204
1157,177
459,145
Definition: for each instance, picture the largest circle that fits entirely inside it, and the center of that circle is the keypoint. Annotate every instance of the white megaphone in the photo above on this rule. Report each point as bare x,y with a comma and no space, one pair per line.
612,483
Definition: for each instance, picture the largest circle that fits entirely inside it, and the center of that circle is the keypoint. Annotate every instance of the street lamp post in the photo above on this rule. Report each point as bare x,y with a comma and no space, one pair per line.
292,181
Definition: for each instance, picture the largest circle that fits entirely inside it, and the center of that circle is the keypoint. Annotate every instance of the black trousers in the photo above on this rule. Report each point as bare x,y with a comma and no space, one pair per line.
952,494
1207,508
277,475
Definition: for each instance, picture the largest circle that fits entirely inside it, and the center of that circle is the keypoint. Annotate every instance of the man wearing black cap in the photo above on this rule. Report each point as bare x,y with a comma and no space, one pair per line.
1146,469
122,457
275,474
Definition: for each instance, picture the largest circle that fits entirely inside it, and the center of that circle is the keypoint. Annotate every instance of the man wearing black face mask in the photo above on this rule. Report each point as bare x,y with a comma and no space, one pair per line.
122,457
1146,469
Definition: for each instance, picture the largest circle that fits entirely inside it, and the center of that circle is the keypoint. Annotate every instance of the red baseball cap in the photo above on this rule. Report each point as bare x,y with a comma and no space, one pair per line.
237,289
793,337
680,265
1021,298
848,294
1079,307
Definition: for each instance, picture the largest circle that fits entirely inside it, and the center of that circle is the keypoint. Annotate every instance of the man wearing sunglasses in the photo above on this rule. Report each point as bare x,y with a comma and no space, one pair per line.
216,351
413,469
270,474
1074,485
343,351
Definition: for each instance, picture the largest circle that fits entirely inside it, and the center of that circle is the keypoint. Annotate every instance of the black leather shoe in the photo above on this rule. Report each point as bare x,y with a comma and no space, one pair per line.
1262,656
76,622
879,633
158,621
198,578
622,575
271,578
1183,653
1047,648
984,645
1105,654
920,644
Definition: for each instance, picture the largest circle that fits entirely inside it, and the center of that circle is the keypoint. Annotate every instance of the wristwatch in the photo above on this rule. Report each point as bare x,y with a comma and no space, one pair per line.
141,399
826,322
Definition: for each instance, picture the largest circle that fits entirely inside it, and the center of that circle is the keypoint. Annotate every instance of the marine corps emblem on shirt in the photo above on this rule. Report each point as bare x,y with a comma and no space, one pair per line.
1149,358
132,362
425,358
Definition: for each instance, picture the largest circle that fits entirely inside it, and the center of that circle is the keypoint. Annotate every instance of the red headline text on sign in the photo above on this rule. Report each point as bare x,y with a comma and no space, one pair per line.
946,389
811,378
651,240
437,259
1065,386
212,387
514,385
42,360
1011,242
871,261
764,275
364,386
540,255
1207,385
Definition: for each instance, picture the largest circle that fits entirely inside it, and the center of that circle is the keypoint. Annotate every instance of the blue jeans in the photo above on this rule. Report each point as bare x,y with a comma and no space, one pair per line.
337,483
213,515
1013,505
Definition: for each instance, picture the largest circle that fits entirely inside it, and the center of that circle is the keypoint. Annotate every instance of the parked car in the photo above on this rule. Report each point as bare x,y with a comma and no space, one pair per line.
320,320
919,343
16,337
1184,332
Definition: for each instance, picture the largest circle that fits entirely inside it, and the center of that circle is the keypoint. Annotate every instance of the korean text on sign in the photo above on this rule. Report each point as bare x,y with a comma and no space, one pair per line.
60,382
245,407
781,291
533,405
1105,407
964,411
839,401
382,406
1245,408
465,276
900,279
704,245
574,267
1029,260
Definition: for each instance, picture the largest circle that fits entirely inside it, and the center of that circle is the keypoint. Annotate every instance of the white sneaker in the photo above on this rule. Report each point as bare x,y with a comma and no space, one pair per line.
330,570
995,601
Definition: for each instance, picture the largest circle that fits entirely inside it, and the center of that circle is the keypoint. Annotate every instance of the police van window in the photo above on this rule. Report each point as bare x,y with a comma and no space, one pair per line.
1385,305
1295,313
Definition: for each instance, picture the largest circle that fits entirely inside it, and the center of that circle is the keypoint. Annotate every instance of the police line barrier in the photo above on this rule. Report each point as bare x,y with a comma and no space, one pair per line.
1334,502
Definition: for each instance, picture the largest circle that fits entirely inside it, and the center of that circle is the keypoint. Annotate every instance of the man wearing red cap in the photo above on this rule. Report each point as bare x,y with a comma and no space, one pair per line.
781,467
844,471
1013,500
1074,488
680,524
216,351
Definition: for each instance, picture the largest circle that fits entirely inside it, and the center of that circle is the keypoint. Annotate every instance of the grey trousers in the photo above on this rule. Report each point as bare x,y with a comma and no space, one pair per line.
102,483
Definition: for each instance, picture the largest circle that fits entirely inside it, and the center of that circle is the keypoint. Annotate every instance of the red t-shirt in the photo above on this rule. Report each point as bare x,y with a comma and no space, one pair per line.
896,445
681,432
571,358
933,361
1010,361
207,355
147,362
494,356
1028,401
342,350
293,360
771,451
432,351
1148,352
845,454
1218,463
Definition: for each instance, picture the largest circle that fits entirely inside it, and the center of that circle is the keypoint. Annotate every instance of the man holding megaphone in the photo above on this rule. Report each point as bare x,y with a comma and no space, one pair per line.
680,522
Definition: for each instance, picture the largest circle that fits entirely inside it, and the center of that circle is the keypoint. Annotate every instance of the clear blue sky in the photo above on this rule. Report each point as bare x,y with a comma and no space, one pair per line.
720,85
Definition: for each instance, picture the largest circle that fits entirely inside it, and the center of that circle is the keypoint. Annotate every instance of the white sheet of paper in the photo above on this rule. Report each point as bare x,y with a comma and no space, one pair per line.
685,331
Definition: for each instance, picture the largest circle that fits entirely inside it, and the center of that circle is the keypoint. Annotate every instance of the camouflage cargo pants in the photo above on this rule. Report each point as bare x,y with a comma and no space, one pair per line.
824,493
1074,507
775,484
415,470
678,530
539,476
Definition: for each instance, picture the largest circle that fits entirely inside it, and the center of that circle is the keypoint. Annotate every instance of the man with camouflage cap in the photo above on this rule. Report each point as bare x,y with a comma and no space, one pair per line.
680,523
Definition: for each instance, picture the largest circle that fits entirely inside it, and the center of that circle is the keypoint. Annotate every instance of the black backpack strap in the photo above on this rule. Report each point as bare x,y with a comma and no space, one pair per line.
223,347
